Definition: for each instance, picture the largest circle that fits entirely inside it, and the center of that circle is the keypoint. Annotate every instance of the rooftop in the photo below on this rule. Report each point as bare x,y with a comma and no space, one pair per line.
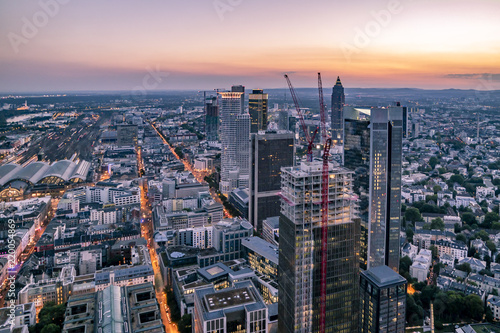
383,276
229,298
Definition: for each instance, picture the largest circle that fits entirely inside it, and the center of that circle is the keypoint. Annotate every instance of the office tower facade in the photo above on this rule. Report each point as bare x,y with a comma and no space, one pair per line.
300,251
372,146
258,107
269,152
242,141
337,116
385,190
240,89
357,159
405,121
234,135
382,301
212,119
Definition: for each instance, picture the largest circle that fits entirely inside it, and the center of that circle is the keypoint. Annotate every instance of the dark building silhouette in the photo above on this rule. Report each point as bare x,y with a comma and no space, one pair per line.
382,301
258,107
337,117
212,119
269,152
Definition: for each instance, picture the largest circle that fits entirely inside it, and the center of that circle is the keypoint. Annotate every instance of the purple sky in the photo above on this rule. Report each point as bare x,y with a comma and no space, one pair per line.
115,44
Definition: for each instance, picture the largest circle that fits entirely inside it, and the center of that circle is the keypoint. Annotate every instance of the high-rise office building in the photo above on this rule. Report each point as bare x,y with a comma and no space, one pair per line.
242,141
372,146
241,89
382,301
269,152
233,134
212,119
299,270
257,107
337,117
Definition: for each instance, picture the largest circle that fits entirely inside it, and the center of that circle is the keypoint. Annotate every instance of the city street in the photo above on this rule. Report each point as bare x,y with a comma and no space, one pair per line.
147,232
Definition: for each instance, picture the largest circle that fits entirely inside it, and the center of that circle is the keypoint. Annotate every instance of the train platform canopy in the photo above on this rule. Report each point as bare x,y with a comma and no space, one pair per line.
59,172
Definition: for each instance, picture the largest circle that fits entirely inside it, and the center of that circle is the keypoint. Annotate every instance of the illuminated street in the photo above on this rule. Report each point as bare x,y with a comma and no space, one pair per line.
198,174
147,232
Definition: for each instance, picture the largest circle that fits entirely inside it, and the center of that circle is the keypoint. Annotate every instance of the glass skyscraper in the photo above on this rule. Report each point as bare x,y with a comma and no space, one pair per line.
373,146
382,301
257,107
212,119
337,117
269,152
300,251
235,136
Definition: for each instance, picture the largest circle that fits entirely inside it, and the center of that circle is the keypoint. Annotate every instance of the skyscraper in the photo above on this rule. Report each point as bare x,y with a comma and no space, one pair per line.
241,89
269,152
373,140
382,301
337,117
300,251
234,132
212,119
242,141
257,107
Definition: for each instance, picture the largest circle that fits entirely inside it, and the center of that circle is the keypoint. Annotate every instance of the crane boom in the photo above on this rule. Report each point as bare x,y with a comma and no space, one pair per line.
322,109
324,232
309,139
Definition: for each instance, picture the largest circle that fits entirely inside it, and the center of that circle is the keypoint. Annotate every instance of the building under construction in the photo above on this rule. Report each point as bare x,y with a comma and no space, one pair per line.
301,258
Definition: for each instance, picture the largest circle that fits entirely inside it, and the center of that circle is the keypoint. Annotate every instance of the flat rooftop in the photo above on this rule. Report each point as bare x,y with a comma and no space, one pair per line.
228,298
383,276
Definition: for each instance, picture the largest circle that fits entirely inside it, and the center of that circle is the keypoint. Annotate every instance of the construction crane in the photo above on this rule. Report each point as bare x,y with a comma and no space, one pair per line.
309,139
324,207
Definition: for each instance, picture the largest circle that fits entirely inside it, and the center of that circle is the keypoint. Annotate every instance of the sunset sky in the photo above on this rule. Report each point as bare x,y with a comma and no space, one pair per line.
205,44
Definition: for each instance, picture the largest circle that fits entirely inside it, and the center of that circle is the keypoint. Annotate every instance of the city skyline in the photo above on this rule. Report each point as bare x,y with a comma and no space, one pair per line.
96,46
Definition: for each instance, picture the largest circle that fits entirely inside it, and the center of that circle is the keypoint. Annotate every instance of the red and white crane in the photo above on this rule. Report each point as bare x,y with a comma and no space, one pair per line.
327,141
309,139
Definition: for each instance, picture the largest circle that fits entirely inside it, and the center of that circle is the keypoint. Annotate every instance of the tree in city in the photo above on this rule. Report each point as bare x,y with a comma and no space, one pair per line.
434,251
465,267
437,224
51,313
51,328
491,217
433,161
412,214
474,306
185,324
461,237
491,246
437,189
